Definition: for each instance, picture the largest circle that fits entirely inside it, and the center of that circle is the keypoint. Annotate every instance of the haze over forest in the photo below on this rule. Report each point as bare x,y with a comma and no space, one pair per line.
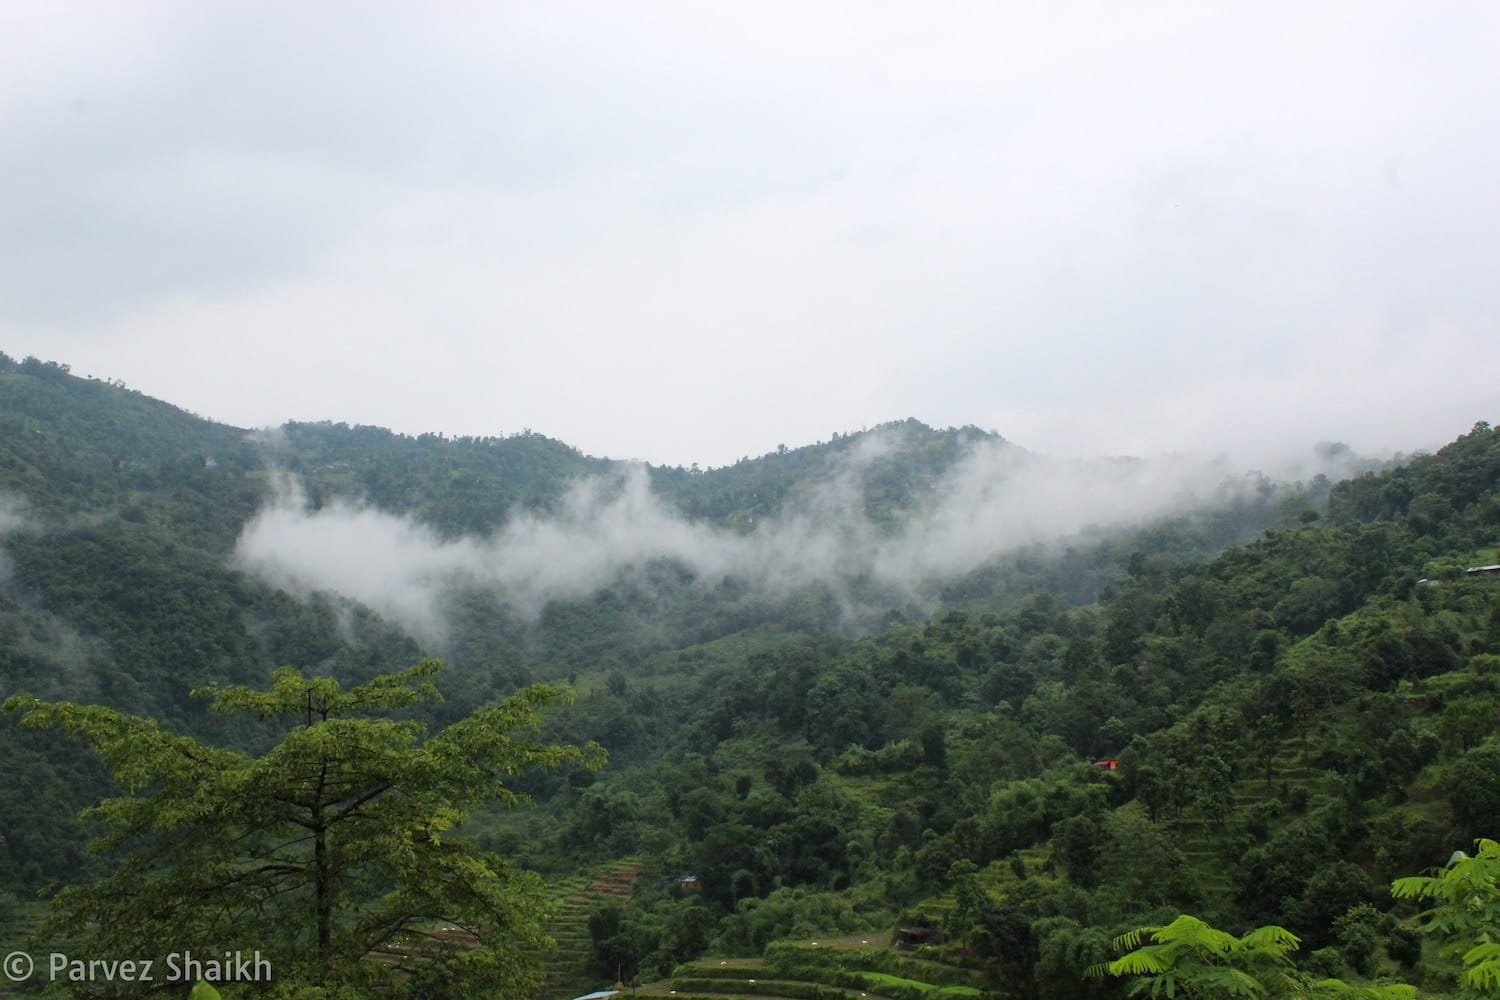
994,497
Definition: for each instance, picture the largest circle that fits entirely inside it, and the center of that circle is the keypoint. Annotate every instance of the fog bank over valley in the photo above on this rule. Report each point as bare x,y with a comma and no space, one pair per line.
996,497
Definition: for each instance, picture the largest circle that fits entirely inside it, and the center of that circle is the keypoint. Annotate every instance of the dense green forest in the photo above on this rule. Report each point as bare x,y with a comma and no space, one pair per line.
1259,709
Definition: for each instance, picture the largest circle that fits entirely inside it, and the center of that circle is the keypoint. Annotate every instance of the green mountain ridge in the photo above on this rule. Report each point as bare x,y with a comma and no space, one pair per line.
1296,718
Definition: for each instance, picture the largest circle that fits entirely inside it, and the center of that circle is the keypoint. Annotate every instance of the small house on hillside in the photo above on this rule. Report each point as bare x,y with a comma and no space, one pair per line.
1108,763
912,937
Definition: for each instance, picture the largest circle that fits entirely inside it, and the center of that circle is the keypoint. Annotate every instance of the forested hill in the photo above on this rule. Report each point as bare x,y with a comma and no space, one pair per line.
895,482
119,517
1288,727
78,445
1298,680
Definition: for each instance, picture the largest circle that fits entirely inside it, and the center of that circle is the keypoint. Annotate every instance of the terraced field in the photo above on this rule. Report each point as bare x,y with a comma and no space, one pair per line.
859,967
1204,844
567,966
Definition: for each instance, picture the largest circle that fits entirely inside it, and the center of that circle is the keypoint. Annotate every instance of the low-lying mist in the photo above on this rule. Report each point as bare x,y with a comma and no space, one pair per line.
994,498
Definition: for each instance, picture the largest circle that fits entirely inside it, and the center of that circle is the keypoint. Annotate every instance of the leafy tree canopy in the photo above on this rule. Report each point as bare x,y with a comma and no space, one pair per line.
1465,895
331,854
1187,957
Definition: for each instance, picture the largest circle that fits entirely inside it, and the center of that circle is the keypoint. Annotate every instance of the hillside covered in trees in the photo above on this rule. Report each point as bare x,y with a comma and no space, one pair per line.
900,678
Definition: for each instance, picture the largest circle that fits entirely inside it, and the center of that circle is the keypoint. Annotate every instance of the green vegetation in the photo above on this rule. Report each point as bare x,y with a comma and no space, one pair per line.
1189,958
1465,912
330,851
1298,687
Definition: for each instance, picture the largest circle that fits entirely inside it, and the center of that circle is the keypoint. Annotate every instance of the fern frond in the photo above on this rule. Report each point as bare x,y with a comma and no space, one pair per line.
1188,931
1483,962
1486,952
1271,938
1485,977
1142,962
1414,887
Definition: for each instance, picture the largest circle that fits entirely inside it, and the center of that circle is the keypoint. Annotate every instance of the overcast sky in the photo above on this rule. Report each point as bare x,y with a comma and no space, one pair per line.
689,232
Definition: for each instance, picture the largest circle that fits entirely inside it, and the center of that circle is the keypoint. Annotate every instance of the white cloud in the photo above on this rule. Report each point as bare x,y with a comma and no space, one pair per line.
994,498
